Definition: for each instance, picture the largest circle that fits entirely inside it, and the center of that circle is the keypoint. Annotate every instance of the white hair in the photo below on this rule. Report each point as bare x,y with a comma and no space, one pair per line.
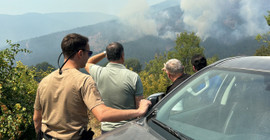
174,66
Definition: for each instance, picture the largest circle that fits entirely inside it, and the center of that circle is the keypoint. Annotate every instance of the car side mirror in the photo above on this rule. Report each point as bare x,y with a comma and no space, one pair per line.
155,98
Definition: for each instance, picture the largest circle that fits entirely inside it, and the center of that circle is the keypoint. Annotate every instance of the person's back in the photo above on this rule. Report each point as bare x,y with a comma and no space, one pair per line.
64,96
119,87
60,100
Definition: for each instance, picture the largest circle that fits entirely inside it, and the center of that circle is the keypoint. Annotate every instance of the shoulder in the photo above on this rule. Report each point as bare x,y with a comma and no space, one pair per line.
94,68
133,75
81,76
131,72
187,75
49,76
81,79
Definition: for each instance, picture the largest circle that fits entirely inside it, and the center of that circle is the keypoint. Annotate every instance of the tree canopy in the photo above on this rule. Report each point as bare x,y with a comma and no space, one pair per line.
154,79
134,64
17,95
264,40
187,45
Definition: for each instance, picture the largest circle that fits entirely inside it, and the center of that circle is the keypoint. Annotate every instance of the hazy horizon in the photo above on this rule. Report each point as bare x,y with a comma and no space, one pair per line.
111,7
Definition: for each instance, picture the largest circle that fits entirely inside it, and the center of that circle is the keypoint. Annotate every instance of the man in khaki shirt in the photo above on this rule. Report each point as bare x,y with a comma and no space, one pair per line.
64,96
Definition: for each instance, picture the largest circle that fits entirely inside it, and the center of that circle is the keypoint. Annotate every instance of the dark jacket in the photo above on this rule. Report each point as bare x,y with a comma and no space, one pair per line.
178,81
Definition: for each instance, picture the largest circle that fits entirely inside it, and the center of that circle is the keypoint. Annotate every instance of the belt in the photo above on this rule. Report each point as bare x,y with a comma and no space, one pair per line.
47,137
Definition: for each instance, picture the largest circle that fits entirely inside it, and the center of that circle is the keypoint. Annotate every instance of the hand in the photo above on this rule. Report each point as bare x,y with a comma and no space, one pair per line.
143,107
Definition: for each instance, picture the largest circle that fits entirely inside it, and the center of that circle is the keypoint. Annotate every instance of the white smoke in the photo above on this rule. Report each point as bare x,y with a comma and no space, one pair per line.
134,16
225,19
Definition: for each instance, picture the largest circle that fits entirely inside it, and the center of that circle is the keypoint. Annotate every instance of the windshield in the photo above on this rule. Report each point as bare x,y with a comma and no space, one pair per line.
221,104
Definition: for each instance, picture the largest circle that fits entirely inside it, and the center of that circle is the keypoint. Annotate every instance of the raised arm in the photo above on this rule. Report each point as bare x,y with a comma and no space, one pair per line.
94,60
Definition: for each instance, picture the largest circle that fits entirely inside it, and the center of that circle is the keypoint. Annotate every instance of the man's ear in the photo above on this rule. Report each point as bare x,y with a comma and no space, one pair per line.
80,53
123,56
193,68
171,77
168,74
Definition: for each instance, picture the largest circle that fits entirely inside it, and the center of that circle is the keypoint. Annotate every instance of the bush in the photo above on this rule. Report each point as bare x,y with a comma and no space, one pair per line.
17,95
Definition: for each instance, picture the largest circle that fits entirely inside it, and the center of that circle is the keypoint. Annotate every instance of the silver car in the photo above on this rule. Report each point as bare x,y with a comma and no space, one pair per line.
228,100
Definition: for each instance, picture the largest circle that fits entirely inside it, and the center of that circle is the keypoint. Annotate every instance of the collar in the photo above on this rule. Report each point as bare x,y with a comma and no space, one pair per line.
115,65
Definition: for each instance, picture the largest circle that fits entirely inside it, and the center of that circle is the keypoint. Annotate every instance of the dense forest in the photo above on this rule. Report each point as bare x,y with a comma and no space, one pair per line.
18,82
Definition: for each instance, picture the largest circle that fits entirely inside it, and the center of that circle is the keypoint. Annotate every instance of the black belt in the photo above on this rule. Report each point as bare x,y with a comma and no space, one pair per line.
85,135
48,137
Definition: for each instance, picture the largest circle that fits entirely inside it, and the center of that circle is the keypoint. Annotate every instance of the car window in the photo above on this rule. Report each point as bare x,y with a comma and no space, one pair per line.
220,103
200,92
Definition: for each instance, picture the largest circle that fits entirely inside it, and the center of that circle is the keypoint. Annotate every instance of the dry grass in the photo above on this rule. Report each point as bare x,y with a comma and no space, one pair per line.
94,124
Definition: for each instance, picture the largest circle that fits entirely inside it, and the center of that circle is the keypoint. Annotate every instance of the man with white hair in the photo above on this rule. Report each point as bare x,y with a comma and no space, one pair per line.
175,72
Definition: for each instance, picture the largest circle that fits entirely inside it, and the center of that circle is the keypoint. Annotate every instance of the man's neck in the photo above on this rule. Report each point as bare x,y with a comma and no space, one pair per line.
117,61
177,76
71,65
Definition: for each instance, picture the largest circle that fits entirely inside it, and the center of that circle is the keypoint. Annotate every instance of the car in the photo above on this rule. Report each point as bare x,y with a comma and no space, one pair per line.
227,100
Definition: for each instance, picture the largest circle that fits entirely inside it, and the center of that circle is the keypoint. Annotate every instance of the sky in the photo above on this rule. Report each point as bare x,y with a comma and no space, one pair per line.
18,7
229,19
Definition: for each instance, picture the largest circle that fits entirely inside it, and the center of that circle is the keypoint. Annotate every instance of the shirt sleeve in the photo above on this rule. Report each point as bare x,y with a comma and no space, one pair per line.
139,87
94,71
90,94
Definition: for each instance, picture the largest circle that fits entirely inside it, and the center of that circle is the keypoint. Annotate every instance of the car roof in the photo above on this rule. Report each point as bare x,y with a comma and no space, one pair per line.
255,63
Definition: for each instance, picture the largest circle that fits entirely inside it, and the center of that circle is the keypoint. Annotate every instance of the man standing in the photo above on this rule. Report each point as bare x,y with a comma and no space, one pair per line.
119,87
198,62
64,97
175,72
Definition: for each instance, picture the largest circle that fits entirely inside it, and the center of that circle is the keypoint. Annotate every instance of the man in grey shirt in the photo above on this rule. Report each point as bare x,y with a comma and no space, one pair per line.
119,87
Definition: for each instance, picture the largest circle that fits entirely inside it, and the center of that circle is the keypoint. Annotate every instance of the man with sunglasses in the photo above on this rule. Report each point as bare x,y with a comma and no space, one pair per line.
64,97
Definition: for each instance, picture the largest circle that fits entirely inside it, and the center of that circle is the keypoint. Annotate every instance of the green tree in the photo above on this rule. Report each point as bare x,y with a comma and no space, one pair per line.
187,45
153,78
268,18
17,95
264,40
44,66
154,66
212,60
134,64
42,69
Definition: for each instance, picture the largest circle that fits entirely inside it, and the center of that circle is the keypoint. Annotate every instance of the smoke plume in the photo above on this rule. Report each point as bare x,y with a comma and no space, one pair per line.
134,15
225,19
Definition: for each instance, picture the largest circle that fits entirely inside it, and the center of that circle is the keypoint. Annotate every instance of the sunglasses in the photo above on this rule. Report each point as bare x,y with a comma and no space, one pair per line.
89,52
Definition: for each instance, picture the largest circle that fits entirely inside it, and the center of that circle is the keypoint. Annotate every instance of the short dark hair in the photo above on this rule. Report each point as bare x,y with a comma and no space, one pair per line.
72,43
198,61
114,51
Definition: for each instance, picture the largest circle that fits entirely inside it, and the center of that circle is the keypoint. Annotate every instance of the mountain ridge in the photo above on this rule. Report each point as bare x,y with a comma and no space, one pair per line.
139,42
31,25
